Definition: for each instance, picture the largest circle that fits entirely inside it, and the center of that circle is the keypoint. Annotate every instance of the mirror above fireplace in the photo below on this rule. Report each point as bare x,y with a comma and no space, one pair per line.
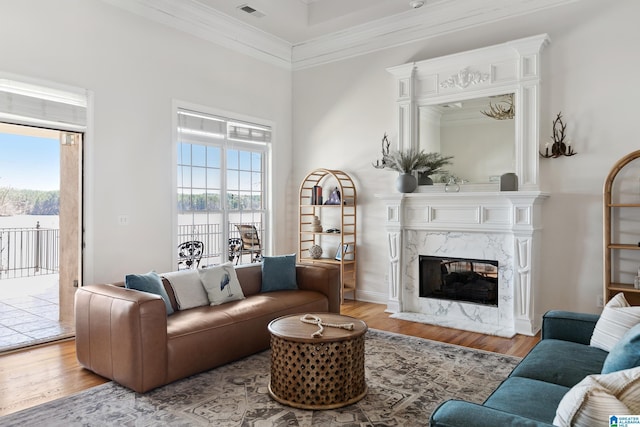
479,133
508,69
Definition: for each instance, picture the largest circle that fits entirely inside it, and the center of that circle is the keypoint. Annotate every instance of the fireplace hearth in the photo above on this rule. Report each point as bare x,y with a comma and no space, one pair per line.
459,279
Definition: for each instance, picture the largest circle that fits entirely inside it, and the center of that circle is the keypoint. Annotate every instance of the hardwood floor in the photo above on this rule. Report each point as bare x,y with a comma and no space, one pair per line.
41,374
376,318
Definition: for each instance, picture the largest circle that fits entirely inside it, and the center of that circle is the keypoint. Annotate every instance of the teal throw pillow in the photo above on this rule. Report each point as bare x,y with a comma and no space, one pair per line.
279,273
151,283
625,354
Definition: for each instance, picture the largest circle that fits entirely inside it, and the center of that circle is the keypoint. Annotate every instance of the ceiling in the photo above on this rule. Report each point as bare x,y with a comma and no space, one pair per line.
297,21
298,34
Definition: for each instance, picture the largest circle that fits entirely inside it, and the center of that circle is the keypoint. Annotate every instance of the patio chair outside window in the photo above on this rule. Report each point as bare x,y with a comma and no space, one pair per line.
249,243
189,254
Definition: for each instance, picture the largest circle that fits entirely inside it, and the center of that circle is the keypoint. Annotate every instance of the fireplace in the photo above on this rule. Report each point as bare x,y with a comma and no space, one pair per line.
500,227
459,279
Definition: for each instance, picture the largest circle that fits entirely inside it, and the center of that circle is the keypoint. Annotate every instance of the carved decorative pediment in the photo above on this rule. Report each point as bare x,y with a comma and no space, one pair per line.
464,78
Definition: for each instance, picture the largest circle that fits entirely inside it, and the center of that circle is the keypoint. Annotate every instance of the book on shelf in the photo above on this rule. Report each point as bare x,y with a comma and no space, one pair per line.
316,195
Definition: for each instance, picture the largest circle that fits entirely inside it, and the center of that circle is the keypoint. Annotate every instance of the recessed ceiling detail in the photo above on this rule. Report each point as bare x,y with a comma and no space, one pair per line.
279,36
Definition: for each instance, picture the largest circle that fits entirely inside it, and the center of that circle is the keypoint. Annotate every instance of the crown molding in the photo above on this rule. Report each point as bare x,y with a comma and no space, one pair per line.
438,18
197,19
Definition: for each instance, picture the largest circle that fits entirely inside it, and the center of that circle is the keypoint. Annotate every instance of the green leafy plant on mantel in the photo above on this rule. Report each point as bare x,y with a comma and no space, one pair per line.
411,160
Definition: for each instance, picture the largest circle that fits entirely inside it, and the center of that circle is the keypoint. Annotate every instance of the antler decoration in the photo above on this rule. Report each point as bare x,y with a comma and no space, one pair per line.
561,146
381,164
500,112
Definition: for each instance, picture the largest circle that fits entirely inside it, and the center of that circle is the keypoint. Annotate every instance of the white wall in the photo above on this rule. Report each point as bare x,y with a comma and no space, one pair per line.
341,110
135,68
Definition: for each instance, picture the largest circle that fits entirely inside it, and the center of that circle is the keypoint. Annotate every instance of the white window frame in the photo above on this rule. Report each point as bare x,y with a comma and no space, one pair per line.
177,105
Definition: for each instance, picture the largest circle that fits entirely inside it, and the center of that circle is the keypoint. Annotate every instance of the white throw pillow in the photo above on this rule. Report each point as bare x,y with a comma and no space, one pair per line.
188,289
616,319
596,397
625,385
221,283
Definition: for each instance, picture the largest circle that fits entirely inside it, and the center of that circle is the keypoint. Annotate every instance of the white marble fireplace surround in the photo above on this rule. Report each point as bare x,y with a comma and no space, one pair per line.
500,226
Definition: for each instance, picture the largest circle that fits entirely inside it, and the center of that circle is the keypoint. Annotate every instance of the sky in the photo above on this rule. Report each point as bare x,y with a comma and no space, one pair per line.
28,162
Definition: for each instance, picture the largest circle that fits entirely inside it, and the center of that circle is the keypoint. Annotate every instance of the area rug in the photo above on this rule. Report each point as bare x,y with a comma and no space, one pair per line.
407,378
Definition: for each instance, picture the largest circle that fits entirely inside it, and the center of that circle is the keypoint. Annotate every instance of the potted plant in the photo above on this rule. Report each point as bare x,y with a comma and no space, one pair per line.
433,163
409,161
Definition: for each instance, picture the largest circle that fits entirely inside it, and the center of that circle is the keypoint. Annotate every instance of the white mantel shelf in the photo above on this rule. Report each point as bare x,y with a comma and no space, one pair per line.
502,226
464,211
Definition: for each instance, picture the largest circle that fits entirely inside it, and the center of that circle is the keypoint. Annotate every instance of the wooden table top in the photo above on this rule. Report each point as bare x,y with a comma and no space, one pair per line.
293,329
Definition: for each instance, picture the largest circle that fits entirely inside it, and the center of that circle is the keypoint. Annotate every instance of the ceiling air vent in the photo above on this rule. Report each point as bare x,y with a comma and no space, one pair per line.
250,10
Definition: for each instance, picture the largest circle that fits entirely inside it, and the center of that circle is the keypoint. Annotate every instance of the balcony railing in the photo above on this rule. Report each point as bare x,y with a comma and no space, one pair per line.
28,252
216,248
34,251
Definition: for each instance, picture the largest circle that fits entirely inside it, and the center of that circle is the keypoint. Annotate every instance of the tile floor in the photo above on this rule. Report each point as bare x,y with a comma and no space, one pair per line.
29,312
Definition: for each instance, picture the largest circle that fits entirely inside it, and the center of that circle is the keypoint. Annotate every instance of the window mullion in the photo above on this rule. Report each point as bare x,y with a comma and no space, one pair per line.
223,195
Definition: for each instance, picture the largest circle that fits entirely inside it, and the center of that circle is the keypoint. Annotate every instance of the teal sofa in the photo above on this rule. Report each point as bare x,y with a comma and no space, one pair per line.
533,390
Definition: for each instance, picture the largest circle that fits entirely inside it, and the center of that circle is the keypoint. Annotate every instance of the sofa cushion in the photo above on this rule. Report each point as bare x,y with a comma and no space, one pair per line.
625,354
187,288
279,273
250,277
616,319
560,362
221,284
527,398
272,304
150,283
596,397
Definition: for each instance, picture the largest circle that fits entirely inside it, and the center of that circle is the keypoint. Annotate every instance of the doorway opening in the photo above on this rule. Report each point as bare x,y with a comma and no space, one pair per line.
40,233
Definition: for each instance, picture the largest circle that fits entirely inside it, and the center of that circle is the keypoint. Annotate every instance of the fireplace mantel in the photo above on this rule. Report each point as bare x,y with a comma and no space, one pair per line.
490,225
465,211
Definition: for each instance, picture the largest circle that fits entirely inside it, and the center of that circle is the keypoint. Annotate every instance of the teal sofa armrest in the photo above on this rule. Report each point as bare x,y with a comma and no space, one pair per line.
569,326
464,414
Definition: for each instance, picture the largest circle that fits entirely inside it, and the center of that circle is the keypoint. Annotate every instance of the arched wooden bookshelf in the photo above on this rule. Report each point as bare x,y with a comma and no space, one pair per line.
621,238
341,216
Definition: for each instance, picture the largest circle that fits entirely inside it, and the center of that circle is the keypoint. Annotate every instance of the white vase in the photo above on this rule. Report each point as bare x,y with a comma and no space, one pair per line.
406,183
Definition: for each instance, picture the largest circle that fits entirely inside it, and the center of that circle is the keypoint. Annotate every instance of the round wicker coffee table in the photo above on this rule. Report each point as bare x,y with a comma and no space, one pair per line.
326,372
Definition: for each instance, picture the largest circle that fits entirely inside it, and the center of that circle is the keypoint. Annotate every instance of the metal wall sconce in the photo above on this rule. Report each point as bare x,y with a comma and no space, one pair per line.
381,164
560,147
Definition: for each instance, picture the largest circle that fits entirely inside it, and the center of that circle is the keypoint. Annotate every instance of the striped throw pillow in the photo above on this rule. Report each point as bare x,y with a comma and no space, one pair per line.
595,398
616,319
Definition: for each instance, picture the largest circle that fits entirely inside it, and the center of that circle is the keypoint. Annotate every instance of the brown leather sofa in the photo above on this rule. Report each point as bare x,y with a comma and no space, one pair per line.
126,335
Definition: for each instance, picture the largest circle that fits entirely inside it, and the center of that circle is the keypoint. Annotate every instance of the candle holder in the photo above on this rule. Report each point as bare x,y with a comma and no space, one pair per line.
560,147
381,164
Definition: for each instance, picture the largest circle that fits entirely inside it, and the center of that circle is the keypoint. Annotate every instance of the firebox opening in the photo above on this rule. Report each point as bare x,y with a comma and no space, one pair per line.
459,279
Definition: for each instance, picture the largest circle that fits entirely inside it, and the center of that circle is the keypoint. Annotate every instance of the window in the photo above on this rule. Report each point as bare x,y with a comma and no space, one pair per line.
221,186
